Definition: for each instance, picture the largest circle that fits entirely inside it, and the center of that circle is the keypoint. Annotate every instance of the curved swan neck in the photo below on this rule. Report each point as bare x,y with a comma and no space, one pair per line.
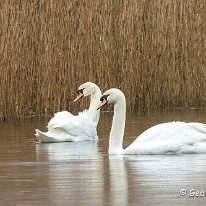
94,103
95,98
118,125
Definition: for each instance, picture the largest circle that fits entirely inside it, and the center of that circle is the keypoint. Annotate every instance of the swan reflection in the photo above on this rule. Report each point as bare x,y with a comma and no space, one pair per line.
118,180
75,171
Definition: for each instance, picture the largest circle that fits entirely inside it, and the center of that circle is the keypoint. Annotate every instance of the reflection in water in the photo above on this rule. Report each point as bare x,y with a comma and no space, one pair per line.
76,172
158,179
118,180
57,152
84,174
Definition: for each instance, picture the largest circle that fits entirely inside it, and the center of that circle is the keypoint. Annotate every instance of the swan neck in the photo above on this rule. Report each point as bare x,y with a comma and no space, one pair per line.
118,126
94,103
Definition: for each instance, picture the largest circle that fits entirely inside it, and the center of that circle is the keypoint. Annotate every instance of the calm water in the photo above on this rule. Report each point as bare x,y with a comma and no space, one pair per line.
84,174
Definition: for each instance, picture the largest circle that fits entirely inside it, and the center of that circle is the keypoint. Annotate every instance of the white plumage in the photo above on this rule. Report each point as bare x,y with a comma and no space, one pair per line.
65,126
171,137
165,138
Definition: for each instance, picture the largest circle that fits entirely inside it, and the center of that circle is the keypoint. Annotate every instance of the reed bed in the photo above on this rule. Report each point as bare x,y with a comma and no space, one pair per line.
153,50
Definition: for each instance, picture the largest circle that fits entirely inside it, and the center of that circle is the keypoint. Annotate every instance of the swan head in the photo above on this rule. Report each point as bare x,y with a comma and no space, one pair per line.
86,89
111,96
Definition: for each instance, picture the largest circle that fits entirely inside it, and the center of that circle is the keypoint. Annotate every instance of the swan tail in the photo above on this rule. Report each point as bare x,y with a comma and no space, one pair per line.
43,138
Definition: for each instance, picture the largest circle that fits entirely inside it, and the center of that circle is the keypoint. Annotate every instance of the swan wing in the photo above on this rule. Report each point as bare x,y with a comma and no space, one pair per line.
71,124
59,119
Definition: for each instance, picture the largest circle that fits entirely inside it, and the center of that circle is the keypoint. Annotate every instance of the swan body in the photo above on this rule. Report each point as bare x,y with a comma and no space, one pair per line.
64,126
165,138
171,137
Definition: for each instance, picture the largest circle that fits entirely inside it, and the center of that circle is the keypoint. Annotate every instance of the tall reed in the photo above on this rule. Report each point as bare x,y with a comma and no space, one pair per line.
153,50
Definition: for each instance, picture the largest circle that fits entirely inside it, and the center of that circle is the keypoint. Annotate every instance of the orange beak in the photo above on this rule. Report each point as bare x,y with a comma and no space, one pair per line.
79,96
104,102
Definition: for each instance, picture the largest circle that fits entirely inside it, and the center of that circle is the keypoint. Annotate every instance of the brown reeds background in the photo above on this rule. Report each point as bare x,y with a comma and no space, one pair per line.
155,51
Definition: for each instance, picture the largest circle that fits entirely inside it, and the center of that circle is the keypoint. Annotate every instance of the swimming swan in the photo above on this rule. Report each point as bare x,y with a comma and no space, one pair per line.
64,126
165,138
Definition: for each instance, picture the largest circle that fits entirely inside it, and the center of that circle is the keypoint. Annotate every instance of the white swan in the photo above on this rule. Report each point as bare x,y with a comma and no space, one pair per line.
64,126
165,138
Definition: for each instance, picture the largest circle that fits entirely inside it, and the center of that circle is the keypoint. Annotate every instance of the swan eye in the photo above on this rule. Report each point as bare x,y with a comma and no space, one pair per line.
80,91
104,97
103,100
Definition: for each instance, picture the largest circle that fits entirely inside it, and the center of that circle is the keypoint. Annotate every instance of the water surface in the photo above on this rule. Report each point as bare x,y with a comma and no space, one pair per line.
84,174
